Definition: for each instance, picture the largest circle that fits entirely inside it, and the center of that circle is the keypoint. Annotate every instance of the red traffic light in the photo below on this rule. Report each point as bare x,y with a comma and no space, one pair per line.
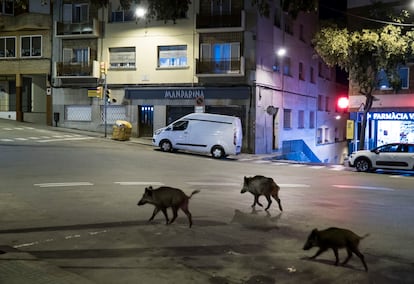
343,103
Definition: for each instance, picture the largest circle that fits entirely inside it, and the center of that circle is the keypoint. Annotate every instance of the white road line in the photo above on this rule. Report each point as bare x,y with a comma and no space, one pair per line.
62,184
7,128
214,183
20,139
64,139
139,183
317,167
34,138
363,187
293,185
297,165
261,162
6,140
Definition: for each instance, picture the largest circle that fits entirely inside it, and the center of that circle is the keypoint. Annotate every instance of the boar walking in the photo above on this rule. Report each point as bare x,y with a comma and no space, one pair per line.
165,197
260,185
335,238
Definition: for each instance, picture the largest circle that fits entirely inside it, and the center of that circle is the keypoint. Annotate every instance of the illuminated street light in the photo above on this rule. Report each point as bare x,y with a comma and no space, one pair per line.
281,52
140,12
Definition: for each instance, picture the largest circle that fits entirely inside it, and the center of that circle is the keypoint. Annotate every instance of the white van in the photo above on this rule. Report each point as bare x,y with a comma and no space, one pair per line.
218,135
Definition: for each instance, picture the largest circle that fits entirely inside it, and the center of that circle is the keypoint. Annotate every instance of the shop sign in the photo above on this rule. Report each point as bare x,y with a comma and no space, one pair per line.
183,94
391,115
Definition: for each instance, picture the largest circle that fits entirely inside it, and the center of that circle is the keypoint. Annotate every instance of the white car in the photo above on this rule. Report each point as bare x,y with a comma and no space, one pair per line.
395,156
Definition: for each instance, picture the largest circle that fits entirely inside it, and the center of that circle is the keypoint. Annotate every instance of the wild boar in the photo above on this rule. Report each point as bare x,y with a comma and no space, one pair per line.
335,238
165,197
261,185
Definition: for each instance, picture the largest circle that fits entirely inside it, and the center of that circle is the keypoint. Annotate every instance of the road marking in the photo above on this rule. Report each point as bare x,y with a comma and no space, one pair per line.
6,140
62,184
213,183
317,167
297,165
293,185
20,139
64,139
363,187
139,183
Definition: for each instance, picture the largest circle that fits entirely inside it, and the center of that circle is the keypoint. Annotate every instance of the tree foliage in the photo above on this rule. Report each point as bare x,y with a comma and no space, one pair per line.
292,7
363,54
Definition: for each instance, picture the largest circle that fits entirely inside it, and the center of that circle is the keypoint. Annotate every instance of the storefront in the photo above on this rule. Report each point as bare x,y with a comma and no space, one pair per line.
159,106
387,127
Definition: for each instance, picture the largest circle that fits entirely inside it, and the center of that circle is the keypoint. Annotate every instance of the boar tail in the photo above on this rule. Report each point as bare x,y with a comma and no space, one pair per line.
364,236
194,192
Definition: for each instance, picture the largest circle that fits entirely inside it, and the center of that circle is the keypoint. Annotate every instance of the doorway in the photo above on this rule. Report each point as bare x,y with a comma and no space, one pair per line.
146,120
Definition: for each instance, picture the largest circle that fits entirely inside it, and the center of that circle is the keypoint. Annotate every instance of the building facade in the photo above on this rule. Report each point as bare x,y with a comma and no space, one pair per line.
220,57
25,56
391,118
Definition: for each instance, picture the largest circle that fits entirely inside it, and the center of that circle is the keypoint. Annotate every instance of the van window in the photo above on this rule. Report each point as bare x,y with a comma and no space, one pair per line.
180,125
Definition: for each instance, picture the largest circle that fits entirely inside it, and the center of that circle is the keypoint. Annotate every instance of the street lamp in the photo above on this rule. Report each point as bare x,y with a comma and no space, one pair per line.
140,13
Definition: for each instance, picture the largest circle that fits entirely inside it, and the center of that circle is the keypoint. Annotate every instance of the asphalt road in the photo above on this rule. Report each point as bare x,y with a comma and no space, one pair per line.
69,199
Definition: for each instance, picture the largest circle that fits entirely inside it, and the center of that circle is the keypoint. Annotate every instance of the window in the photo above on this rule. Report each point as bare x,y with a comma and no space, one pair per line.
384,84
180,125
7,47
326,135
123,16
172,56
287,118
6,7
221,7
311,119
301,33
286,66
327,101
276,18
312,74
320,103
301,73
122,58
224,57
31,46
76,13
76,55
301,119
320,69
319,136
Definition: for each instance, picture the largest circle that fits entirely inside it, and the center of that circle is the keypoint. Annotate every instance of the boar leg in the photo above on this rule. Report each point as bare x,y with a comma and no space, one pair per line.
256,201
164,210
335,250
320,250
187,212
358,253
155,212
269,201
278,202
175,213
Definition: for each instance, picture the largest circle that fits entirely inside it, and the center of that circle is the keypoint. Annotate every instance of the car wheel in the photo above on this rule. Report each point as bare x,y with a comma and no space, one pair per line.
217,152
363,165
165,146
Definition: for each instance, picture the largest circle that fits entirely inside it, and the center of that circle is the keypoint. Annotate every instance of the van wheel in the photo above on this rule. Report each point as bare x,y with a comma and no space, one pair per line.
217,152
165,146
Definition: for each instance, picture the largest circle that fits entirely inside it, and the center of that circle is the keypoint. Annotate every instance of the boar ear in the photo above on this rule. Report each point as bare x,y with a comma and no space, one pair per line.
246,179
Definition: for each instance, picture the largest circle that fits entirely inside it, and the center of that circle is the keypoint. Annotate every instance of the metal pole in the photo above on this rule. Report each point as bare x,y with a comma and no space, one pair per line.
105,104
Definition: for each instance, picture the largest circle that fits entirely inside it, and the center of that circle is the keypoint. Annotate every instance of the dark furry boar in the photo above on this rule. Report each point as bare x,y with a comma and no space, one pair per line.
260,185
335,238
165,197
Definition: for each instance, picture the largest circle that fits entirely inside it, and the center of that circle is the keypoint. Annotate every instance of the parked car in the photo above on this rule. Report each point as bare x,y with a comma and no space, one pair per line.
218,135
395,156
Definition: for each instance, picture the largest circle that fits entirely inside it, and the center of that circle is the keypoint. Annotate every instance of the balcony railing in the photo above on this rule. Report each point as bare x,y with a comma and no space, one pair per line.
216,68
82,30
27,21
81,69
207,23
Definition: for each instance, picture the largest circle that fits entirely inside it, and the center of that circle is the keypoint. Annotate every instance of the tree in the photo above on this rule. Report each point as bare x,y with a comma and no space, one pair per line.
363,54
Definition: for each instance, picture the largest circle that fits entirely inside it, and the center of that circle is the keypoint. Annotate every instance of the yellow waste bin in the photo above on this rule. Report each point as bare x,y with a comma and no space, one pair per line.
121,130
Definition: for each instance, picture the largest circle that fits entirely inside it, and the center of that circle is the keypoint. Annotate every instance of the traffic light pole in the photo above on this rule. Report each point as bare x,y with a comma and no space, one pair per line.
105,105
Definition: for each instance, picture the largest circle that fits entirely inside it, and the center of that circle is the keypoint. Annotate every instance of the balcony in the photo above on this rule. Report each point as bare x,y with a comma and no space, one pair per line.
78,30
26,21
77,70
219,23
223,68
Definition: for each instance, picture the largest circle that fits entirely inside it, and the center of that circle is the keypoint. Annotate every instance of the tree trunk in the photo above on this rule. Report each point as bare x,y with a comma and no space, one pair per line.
368,104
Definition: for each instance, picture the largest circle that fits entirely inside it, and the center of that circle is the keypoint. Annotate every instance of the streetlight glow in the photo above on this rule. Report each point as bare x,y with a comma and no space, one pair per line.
140,12
281,52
